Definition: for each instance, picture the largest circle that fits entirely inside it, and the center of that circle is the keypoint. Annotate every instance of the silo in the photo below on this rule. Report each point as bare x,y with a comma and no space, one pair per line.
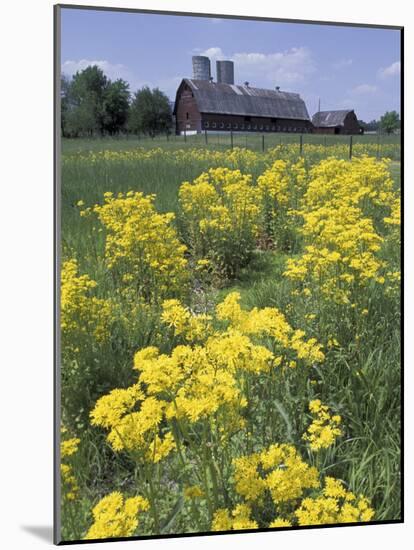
201,67
225,72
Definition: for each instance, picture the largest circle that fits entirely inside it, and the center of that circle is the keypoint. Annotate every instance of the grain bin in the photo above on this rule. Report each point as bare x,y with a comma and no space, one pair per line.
225,72
201,67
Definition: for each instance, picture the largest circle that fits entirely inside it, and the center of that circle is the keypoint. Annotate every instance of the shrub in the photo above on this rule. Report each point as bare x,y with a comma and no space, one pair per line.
221,215
142,249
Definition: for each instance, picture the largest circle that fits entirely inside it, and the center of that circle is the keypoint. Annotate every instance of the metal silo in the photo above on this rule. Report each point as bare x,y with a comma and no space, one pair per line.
201,67
225,72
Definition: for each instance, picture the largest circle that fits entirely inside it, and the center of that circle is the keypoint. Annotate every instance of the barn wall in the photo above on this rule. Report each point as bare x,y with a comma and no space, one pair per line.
351,125
187,104
322,130
218,122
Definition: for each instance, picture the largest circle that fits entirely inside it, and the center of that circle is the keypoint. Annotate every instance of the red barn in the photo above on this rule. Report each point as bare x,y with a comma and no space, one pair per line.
336,122
202,104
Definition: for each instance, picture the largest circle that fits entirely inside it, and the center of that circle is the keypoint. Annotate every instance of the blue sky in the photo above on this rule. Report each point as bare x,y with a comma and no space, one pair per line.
345,67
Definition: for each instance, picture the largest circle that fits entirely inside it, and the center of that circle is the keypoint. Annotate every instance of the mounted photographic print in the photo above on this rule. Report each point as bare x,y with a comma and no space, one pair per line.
228,297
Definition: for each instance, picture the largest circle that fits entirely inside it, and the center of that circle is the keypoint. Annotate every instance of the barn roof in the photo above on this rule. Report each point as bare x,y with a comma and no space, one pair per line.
231,99
326,119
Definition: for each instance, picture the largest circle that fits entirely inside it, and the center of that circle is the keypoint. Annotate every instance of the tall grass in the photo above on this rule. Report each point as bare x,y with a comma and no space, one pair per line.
361,379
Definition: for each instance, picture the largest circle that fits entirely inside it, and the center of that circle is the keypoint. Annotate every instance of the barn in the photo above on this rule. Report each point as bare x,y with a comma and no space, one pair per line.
202,104
336,122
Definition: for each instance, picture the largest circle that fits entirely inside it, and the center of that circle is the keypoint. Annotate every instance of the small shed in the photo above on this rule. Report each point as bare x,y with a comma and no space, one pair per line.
336,122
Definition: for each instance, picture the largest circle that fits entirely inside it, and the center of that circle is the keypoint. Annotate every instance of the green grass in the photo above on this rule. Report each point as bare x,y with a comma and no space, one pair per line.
361,380
221,141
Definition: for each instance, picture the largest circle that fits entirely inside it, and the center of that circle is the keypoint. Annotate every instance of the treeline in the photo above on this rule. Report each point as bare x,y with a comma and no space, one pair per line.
388,123
93,105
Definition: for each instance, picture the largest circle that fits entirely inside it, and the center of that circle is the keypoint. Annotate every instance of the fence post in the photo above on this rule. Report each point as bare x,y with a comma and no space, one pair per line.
231,139
185,135
378,145
263,143
205,135
301,144
350,147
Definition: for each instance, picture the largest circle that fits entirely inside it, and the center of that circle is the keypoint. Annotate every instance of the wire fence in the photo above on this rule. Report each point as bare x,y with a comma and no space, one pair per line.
378,145
262,142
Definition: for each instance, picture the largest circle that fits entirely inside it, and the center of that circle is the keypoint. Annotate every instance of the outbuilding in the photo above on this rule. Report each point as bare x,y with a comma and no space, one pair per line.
336,122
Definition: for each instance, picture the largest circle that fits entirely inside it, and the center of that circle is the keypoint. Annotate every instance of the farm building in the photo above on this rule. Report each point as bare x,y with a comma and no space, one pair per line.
336,122
202,104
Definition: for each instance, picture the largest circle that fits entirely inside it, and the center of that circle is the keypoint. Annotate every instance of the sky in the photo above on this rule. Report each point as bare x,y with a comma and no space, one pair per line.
342,67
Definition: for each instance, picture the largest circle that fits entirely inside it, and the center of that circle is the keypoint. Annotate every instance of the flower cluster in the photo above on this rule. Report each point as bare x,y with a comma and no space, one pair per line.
69,484
272,323
142,249
192,327
342,243
324,429
278,470
221,215
236,520
334,505
280,188
295,491
116,516
82,313
133,420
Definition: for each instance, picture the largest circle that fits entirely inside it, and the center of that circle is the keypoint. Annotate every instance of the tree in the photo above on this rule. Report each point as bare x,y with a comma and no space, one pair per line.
150,112
390,121
65,89
85,109
371,126
116,106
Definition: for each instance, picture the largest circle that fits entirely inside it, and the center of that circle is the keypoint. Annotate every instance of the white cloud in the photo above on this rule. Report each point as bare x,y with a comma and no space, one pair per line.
392,70
213,53
275,69
364,89
342,63
113,71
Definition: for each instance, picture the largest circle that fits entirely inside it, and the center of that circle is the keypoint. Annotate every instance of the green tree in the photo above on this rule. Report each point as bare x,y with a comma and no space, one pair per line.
390,121
116,106
85,112
65,99
150,112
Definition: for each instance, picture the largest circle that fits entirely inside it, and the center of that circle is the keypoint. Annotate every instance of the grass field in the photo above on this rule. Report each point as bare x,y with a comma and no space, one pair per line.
222,140
313,245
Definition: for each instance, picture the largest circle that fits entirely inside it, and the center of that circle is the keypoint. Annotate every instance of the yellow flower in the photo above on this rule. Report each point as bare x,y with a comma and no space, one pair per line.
237,519
82,314
115,516
142,246
335,505
279,470
324,429
69,483
193,492
221,215
280,522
